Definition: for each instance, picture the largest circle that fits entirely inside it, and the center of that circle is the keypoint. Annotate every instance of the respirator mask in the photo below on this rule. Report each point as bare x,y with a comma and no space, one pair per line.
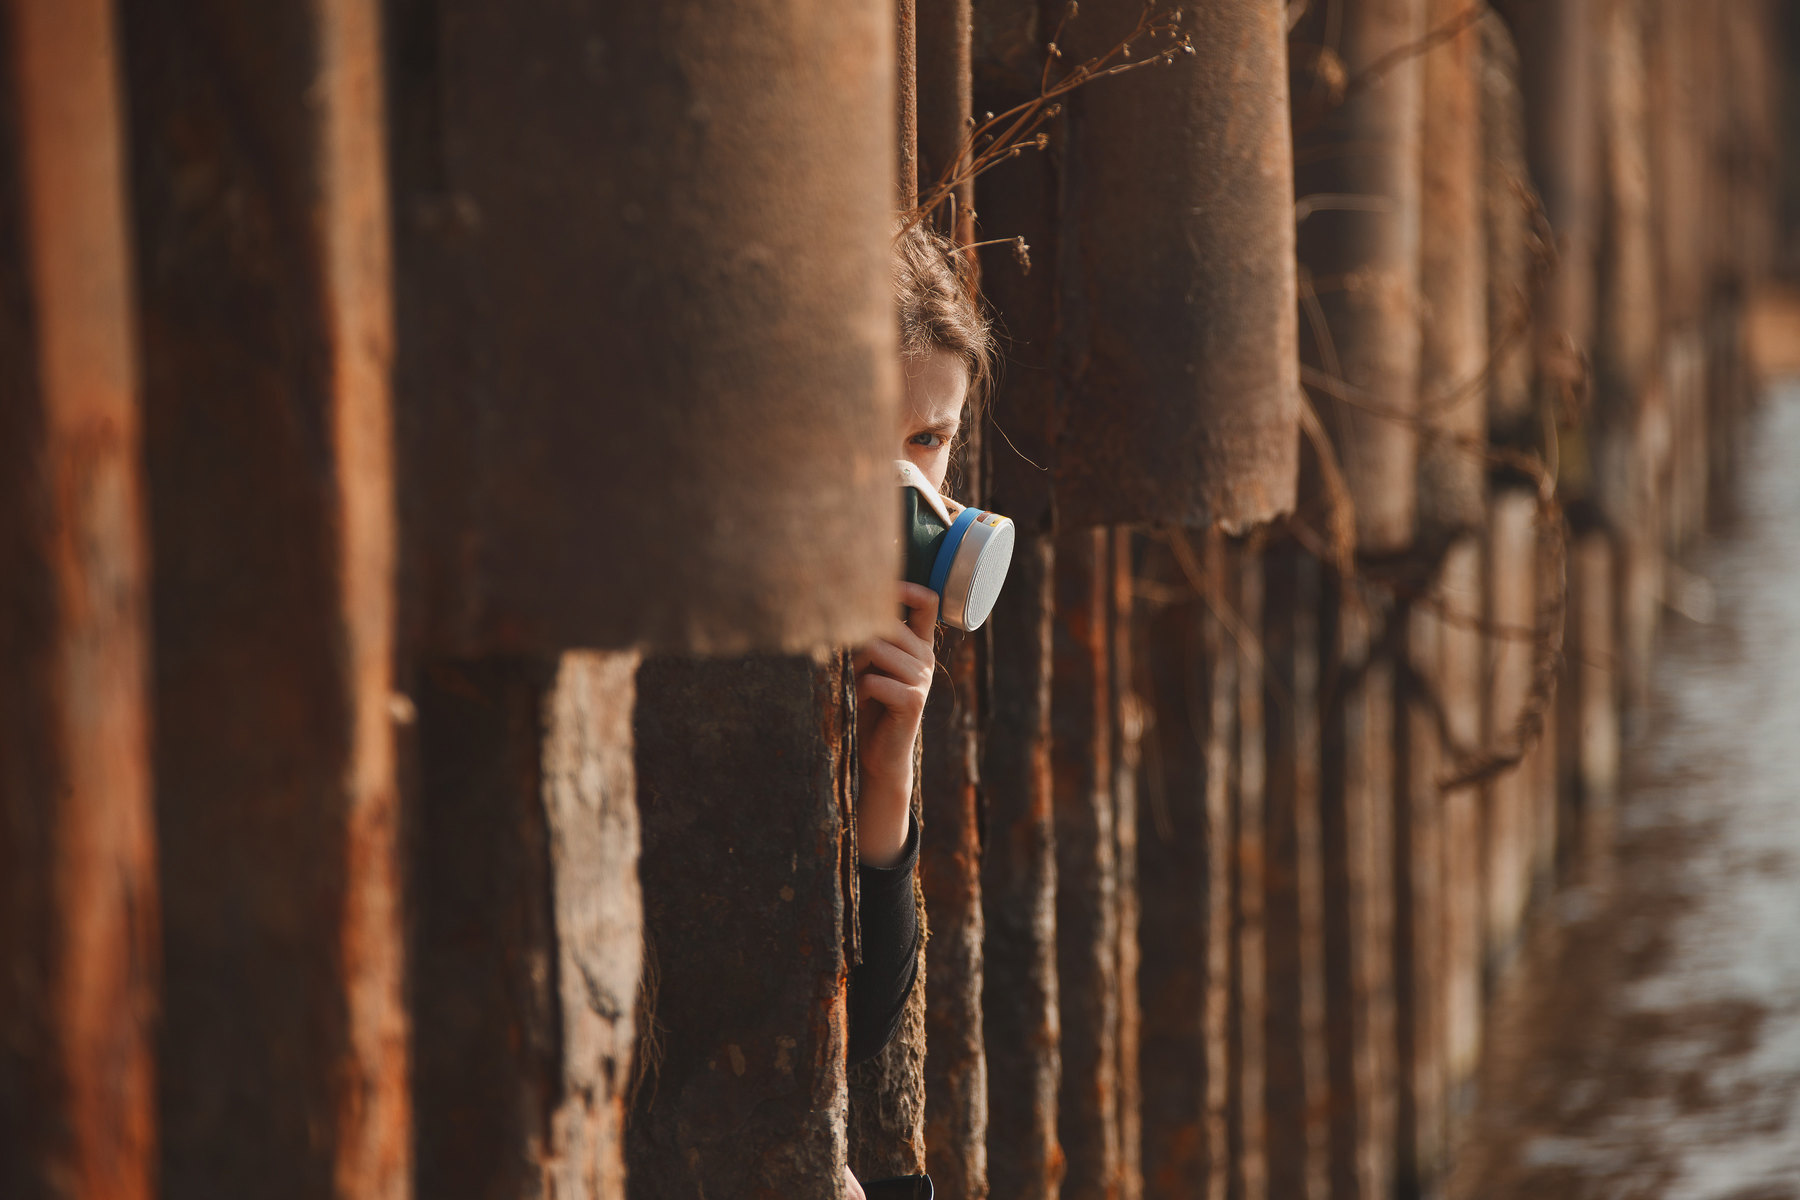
962,558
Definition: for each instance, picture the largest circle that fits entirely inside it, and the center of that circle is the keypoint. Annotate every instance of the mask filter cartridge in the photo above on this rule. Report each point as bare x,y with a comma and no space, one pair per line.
963,557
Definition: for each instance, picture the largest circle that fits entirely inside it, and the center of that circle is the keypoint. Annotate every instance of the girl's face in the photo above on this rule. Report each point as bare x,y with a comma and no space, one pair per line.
931,407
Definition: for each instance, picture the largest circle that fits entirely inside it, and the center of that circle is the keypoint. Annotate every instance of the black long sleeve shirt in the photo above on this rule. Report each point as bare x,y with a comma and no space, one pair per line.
880,985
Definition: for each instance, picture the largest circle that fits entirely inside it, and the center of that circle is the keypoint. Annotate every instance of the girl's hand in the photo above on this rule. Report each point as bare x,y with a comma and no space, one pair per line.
893,677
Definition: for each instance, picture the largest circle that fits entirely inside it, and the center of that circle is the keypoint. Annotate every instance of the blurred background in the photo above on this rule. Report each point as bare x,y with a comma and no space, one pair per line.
444,459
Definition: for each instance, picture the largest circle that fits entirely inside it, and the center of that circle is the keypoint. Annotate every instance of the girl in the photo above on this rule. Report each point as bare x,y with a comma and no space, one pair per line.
946,353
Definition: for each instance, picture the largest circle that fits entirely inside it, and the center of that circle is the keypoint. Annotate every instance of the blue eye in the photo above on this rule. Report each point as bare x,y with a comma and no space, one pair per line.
928,439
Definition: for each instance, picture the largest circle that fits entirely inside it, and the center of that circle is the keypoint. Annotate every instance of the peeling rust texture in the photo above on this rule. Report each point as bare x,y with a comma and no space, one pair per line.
528,939
1453,289
1356,840
260,216
1419,915
636,242
1460,691
1242,594
1512,418
79,902
1179,289
956,1078
1020,1013
1126,709
1183,879
1087,897
1293,879
1358,187
741,798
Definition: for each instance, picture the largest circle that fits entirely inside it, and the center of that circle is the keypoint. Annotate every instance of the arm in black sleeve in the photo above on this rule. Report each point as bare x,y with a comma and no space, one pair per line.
880,986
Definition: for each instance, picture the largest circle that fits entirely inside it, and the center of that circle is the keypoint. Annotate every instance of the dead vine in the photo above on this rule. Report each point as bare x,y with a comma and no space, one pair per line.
997,137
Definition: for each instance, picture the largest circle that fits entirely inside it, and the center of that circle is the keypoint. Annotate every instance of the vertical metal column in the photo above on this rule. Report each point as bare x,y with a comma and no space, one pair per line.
260,201
79,906
1295,1046
1179,290
1087,869
1358,212
1021,1009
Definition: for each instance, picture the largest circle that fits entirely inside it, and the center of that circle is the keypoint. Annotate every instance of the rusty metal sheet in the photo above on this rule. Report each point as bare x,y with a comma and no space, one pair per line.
1178,279
1454,345
1183,869
1511,204
79,910
1419,964
1357,846
646,359
261,221
528,928
1358,183
1293,878
743,774
1087,891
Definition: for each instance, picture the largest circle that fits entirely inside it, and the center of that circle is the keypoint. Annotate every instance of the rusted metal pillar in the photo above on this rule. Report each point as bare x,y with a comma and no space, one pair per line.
1419,961
1184,877
1126,712
78,922
1512,414
529,924
1459,682
956,1085
1248,1090
945,104
1593,735
542,256
260,203
1511,803
1454,342
1087,894
1295,1044
1020,1000
744,770
1627,472
1358,183
1357,833
1556,70
1179,292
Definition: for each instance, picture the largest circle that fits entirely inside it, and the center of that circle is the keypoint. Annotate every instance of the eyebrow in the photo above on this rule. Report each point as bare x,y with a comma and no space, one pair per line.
947,426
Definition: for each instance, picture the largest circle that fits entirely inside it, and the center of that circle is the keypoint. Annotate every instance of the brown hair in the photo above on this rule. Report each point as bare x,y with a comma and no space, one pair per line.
940,306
